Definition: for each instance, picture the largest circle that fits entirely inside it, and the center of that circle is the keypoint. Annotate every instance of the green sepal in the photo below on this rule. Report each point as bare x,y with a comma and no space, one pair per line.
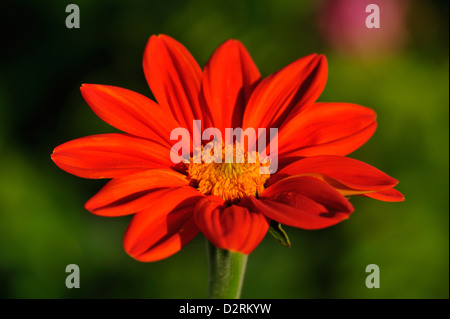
279,234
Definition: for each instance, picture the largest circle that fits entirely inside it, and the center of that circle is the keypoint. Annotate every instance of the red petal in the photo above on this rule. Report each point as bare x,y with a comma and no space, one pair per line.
326,129
348,175
161,231
129,111
174,78
234,228
294,86
110,156
387,195
229,78
130,194
303,202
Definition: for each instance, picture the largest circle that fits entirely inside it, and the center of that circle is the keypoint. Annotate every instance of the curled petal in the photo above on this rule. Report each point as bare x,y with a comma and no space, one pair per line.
304,202
387,195
174,78
161,231
326,129
347,175
228,80
130,194
129,111
110,156
234,228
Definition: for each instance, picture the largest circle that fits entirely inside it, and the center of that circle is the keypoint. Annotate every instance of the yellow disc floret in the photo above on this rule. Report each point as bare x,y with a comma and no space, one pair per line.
230,173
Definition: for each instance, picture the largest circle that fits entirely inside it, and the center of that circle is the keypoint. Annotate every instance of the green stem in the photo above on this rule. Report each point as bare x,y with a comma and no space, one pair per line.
226,273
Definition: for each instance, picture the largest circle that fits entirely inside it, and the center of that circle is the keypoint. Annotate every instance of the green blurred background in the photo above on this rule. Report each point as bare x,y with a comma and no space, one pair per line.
44,227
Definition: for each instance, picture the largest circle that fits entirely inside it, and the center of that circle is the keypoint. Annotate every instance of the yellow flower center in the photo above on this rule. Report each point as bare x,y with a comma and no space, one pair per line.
232,173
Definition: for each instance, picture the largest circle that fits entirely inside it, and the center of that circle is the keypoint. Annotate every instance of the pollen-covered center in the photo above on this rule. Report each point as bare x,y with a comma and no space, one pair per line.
228,171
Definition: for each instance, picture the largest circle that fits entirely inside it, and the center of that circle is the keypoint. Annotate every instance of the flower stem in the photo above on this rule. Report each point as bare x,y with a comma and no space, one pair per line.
226,273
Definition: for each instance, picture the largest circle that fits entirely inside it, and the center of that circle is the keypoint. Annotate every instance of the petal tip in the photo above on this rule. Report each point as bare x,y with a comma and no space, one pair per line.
234,42
322,57
85,86
321,61
88,206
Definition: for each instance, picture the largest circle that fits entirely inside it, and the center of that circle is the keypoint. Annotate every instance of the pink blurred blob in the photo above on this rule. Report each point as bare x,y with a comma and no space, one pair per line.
343,25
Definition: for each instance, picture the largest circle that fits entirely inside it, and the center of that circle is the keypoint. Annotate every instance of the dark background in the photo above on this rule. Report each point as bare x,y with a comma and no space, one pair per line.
399,70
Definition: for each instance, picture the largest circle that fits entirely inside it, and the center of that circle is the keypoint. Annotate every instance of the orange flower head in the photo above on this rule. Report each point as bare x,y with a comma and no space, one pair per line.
229,192
230,181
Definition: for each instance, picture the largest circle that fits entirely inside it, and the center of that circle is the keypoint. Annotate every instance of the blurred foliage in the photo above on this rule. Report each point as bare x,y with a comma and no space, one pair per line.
44,227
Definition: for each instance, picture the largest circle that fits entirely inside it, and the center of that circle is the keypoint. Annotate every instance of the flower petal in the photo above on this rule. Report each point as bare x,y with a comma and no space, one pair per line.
161,231
234,228
387,195
326,129
110,156
303,202
294,86
349,176
228,80
130,194
129,111
174,78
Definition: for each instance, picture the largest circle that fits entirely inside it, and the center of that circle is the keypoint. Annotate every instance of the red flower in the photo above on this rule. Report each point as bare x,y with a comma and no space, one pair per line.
231,204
